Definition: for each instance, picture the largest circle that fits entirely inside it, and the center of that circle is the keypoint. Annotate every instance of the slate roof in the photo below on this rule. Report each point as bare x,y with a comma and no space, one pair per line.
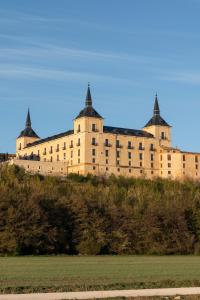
28,131
88,110
157,119
126,131
51,138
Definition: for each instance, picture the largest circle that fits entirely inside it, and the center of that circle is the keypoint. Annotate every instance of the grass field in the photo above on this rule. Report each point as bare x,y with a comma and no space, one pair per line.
65,273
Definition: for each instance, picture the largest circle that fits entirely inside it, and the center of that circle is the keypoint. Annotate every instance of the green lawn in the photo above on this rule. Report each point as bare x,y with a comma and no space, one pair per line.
65,273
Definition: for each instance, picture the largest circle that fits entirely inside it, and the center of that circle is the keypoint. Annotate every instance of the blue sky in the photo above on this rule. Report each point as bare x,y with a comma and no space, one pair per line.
128,50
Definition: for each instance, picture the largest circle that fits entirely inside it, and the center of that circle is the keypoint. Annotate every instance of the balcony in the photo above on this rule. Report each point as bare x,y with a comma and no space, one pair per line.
119,146
95,130
130,147
94,144
107,145
71,146
141,148
78,144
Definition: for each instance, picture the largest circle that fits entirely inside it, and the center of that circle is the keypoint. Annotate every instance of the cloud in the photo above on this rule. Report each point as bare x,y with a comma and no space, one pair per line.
190,77
19,71
47,51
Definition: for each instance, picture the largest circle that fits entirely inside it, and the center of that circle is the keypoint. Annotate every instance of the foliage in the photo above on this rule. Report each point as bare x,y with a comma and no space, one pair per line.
96,215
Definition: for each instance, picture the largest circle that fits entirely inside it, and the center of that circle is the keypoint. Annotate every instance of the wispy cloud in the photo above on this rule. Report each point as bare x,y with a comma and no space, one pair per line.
189,77
18,71
48,50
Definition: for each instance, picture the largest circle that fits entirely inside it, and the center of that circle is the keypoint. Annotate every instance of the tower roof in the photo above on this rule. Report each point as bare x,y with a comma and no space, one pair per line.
157,119
28,131
88,110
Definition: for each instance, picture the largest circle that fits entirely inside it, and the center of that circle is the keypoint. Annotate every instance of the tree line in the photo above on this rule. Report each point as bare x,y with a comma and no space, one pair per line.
95,215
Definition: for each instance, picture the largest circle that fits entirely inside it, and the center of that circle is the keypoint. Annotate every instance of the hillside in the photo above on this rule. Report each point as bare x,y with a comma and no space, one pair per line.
90,215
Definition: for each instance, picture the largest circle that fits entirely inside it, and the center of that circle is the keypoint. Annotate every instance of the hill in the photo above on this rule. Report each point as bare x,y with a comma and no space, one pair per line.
92,215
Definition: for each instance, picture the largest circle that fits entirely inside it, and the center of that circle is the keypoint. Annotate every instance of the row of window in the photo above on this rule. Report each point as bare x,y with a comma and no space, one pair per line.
169,157
94,128
94,143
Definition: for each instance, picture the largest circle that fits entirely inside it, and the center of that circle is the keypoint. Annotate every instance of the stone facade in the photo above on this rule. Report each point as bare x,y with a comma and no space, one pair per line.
93,148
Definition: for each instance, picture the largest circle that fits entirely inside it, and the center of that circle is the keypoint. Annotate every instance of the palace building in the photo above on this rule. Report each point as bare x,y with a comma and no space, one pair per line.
93,148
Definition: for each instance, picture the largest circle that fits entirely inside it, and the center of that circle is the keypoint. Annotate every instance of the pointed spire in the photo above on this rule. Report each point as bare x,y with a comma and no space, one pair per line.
88,100
156,106
28,119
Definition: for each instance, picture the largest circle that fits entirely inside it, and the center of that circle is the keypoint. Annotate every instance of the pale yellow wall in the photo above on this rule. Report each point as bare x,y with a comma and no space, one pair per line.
157,133
79,158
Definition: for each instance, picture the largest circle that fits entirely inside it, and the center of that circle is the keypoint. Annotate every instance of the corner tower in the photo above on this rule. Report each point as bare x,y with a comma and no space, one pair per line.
27,136
158,126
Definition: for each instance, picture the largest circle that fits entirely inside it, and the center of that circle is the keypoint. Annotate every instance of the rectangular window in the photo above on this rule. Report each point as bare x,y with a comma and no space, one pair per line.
93,160
57,148
57,157
129,163
162,135
107,161
169,165
152,157
79,128
140,156
161,157
106,142
71,144
151,147
169,157
183,166
79,142
118,154
130,145
79,152
94,127
140,146
93,152
152,165
196,159
184,158
71,154
93,141
107,153
129,155
118,162
64,156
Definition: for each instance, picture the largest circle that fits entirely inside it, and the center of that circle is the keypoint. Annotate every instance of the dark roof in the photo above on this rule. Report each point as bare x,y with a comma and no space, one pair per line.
157,119
126,131
88,110
28,131
50,138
